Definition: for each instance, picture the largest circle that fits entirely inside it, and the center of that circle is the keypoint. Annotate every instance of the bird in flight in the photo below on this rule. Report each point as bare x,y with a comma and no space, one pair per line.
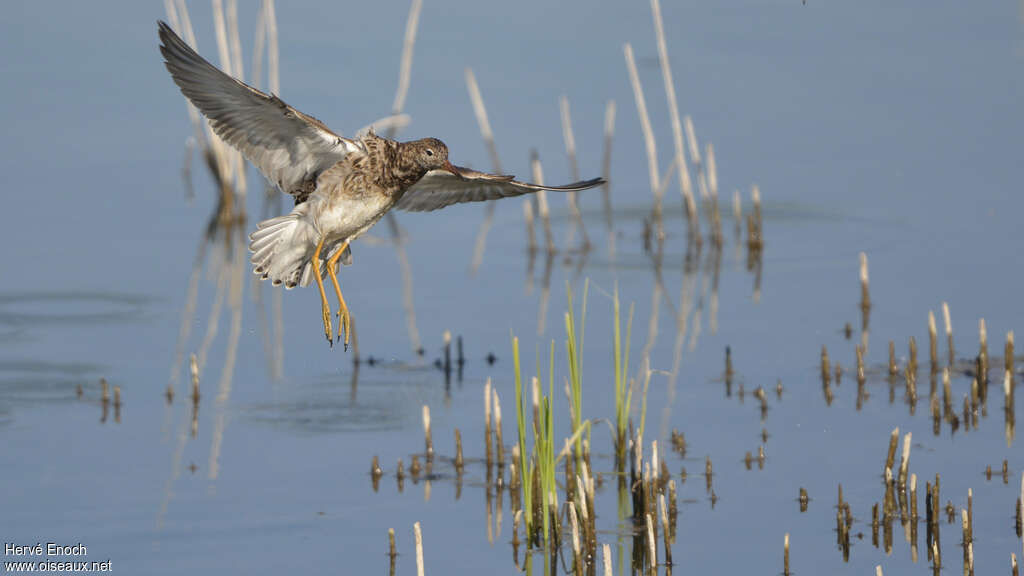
341,186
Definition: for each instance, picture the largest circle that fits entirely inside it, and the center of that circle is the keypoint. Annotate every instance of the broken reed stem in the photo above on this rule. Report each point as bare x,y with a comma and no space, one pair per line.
531,235
893,369
542,202
785,555
1008,352
905,460
645,125
606,170
458,451
894,439
861,375
498,441
966,538
405,68
535,388
665,531
913,497
193,368
685,184
755,198
865,296
392,554
488,451
708,474
983,352
826,372
912,362
419,548
570,152
716,214
949,332
481,118
577,554
567,135
651,544
691,140
737,211
426,432
933,343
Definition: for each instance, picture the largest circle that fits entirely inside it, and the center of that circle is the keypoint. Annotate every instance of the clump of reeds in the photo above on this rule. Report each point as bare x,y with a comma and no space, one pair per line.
537,472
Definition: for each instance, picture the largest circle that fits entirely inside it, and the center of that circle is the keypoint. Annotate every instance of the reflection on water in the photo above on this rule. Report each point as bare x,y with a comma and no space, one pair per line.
330,407
20,310
44,381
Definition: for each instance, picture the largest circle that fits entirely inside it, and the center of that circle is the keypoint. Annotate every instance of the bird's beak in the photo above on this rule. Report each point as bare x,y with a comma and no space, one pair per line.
451,168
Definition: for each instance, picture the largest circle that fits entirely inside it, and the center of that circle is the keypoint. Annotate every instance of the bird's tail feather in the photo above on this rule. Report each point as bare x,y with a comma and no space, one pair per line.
280,249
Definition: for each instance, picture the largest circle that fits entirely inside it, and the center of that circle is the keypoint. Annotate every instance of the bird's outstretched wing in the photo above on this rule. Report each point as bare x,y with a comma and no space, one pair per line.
439,188
289,147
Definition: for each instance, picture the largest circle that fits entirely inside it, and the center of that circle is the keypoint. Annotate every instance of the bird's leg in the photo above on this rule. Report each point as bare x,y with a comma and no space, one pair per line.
344,319
325,308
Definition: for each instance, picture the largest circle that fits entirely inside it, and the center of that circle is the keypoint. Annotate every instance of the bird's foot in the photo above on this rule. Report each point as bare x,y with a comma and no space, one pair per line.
327,326
344,325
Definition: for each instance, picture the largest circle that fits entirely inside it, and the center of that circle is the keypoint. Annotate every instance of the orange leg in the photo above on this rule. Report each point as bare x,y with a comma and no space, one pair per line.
324,306
344,321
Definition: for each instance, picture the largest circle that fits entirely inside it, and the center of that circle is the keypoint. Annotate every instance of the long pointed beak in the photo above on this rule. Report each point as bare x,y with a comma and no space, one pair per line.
451,168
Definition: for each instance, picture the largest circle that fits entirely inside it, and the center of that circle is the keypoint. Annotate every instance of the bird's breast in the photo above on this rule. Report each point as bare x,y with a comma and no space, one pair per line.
350,216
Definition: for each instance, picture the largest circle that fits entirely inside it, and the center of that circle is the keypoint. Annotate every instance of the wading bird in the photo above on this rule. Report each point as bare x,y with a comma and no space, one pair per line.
341,186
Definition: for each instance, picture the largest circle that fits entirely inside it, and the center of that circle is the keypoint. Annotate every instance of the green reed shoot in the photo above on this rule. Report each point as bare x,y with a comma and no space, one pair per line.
524,472
574,350
623,389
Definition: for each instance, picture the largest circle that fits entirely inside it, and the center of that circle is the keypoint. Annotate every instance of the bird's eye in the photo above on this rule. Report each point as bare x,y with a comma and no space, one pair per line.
430,152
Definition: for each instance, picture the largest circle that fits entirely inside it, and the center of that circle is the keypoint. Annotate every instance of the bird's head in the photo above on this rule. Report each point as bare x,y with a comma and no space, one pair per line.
432,154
